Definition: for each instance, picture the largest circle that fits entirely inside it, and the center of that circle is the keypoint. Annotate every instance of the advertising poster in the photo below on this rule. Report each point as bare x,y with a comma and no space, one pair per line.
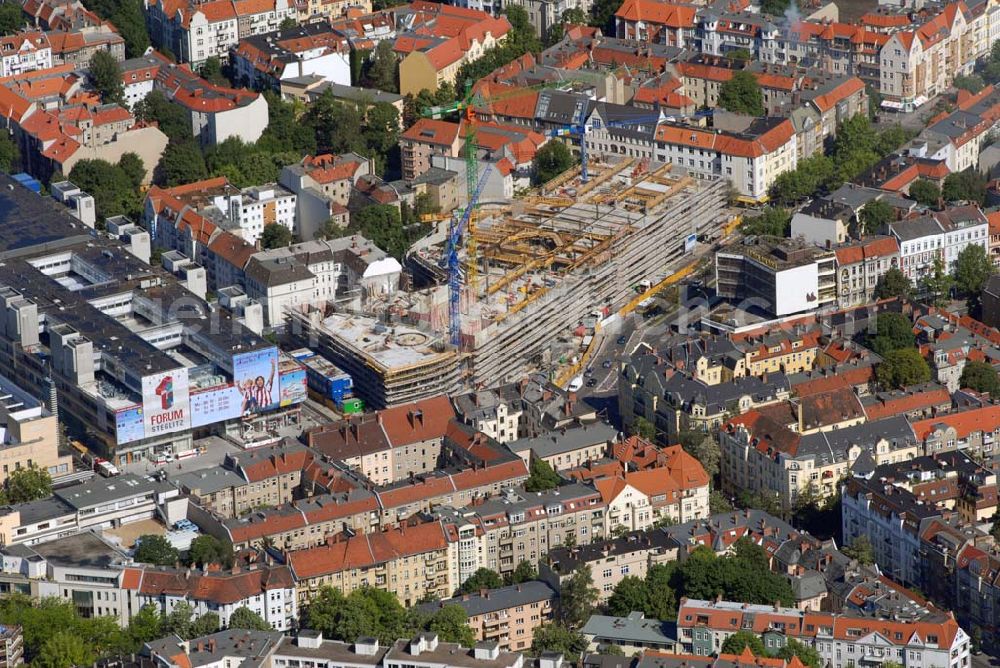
128,425
215,405
256,376
293,387
165,403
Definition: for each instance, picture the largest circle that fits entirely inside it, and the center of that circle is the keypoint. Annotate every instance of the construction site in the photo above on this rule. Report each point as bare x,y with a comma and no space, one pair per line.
574,252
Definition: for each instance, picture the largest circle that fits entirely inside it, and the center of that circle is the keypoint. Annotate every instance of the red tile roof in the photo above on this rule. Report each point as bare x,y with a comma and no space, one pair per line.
964,423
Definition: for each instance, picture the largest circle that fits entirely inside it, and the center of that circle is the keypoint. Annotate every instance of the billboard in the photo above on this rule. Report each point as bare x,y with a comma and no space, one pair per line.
293,387
166,406
254,374
796,289
690,242
128,425
215,405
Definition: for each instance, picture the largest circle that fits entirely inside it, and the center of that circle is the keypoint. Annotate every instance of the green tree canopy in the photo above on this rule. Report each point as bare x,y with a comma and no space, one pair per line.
10,154
551,160
181,163
938,283
383,225
245,618
210,550
27,484
109,185
483,578
451,623
893,283
772,222
157,550
211,71
892,332
171,118
860,549
133,167
106,77
972,83
577,598
275,236
127,16
903,367
807,654
11,17
742,95
542,477
525,572
557,637
972,268
739,641
874,215
381,71
630,595
980,377
644,429
925,192
64,650
968,186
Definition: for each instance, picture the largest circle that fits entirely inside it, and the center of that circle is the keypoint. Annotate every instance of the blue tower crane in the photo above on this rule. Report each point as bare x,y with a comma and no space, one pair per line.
455,231
579,129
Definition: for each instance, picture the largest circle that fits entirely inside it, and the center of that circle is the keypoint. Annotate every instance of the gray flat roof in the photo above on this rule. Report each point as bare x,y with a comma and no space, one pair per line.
557,442
330,650
497,599
634,628
209,481
98,490
82,550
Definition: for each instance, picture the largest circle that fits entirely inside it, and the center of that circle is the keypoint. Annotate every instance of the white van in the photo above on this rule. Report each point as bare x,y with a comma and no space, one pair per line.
575,384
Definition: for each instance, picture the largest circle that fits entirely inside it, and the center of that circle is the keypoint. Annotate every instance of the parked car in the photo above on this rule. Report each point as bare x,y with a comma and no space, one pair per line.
622,340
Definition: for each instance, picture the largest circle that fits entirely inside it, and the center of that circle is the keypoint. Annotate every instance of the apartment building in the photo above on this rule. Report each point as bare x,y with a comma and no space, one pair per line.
312,49
656,22
568,447
268,590
273,474
195,32
760,455
496,412
30,434
24,52
974,430
411,561
391,445
433,41
610,561
841,639
425,138
860,265
507,616
78,45
942,234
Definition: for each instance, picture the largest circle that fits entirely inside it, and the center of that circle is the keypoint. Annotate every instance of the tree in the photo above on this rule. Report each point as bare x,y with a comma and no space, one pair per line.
171,118
662,599
11,17
206,624
968,186
893,283
718,503
64,650
707,452
210,550
106,77
127,17
542,477
972,83
27,484
741,94
972,268
483,578
980,377
155,550
382,224
525,571
805,653
900,368
381,70
892,332
451,623
181,162
551,160
132,166
938,283
772,222
180,621
146,625
557,637
925,192
331,230
245,618
874,215
644,429
577,597
211,71
860,549
110,186
275,236
739,641
630,595
10,155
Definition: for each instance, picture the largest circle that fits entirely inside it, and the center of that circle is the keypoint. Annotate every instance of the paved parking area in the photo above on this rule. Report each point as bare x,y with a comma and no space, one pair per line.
215,453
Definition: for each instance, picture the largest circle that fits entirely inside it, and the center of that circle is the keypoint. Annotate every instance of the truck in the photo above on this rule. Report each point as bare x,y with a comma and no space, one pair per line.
106,468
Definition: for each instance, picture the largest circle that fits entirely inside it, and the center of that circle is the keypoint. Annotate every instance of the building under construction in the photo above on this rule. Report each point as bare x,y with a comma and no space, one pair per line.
546,263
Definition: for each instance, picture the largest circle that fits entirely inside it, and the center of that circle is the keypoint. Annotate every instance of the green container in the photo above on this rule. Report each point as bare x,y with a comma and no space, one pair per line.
352,406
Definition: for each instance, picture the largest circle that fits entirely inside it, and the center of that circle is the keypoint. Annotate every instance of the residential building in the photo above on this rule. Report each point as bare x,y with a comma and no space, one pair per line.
216,490
974,431
265,60
861,265
507,616
24,52
760,455
656,22
633,635
77,45
195,32
704,625
425,138
568,447
273,474
425,651
30,434
782,277
939,235
411,561
495,412
435,40
268,590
